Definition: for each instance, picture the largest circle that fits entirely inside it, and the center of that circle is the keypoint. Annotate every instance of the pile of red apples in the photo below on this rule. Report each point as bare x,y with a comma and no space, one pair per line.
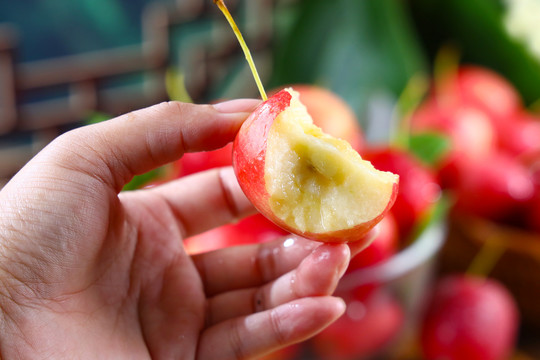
492,166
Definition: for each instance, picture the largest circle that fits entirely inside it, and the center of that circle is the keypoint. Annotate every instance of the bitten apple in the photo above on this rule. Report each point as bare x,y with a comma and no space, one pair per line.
331,113
307,182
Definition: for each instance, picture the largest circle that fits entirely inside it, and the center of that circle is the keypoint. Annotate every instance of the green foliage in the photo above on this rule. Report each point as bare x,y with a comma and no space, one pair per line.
139,181
476,28
429,147
96,117
356,48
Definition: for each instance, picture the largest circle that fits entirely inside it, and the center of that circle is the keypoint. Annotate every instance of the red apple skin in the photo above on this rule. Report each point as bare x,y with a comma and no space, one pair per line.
249,154
368,325
250,230
384,246
191,163
418,186
483,88
498,187
521,135
249,150
469,129
469,318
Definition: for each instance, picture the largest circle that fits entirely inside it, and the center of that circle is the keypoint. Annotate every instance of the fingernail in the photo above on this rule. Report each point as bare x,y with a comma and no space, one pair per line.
237,106
344,264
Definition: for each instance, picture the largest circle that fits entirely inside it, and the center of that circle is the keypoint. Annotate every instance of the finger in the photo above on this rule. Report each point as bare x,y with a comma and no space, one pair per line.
260,333
142,140
251,265
317,275
204,200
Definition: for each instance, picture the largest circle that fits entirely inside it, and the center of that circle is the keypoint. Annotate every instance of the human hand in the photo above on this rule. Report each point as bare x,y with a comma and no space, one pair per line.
88,271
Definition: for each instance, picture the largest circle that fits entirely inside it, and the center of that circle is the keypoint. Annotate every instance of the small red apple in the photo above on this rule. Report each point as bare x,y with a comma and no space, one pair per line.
368,325
250,230
307,182
469,128
483,88
385,244
418,186
498,187
469,318
191,163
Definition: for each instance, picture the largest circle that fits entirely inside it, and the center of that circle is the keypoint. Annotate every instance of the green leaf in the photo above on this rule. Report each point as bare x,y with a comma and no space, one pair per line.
429,147
139,181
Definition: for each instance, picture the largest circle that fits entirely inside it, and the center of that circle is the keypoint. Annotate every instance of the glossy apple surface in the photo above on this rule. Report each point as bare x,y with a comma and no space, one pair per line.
469,318
384,246
250,230
191,163
483,88
498,188
305,181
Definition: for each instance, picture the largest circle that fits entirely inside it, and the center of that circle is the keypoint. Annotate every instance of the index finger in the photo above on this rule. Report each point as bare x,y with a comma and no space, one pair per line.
253,265
142,140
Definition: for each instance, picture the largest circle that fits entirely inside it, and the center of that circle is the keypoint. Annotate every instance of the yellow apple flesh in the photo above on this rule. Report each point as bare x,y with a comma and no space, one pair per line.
306,181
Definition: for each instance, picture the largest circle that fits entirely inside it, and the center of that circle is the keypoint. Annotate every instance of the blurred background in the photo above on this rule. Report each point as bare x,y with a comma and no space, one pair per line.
408,71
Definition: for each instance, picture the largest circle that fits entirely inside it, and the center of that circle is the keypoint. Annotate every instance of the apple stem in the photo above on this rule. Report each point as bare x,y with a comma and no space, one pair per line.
487,257
221,5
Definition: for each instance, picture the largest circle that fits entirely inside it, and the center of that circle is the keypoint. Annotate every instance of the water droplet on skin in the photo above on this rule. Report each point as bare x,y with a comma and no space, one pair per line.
294,306
323,256
288,242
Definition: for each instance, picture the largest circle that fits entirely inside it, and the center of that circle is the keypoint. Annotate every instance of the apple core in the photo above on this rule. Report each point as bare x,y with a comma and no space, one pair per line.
318,183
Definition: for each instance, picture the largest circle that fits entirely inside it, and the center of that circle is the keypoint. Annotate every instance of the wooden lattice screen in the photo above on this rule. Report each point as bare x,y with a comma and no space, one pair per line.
207,59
